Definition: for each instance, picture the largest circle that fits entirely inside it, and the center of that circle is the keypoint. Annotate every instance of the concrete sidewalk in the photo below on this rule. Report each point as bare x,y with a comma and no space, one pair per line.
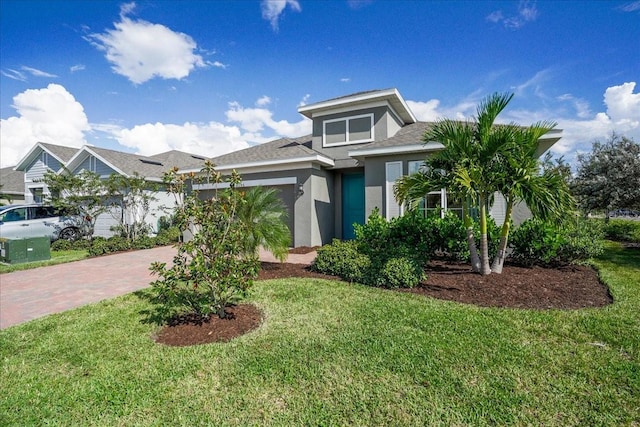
29,294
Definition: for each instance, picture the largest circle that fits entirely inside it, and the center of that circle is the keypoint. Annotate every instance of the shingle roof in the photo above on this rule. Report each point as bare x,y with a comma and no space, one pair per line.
149,167
280,149
408,135
60,151
12,181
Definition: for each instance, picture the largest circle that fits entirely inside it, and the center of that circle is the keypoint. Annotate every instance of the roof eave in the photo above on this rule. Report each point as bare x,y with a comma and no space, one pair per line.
322,160
401,149
391,95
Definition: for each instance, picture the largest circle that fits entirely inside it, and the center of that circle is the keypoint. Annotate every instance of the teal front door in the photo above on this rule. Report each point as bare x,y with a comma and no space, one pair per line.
352,203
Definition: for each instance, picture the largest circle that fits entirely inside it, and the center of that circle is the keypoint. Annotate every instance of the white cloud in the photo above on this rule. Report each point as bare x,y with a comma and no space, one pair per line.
37,73
630,7
21,76
345,79
48,115
264,100
14,74
426,111
272,9
430,111
257,119
580,125
218,64
527,12
140,50
78,67
623,106
250,126
207,139
304,100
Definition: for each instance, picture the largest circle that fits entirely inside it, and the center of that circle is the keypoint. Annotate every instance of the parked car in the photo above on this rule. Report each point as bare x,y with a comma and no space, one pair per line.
24,221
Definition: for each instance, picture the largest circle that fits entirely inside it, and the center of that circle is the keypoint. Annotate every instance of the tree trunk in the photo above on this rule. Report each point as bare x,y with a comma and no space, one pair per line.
471,242
484,242
498,261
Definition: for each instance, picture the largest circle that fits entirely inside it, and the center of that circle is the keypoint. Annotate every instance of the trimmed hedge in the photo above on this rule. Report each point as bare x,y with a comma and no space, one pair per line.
556,244
101,246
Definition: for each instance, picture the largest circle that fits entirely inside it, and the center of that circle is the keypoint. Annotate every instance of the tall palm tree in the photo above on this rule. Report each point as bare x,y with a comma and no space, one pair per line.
471,161
480,158
546,194
264,215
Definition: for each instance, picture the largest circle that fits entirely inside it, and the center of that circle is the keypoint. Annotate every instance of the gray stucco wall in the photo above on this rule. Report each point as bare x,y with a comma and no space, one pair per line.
311,219
375,179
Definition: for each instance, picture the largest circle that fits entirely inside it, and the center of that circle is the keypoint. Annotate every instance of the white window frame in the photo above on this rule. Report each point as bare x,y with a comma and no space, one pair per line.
347,140
391,203
417,165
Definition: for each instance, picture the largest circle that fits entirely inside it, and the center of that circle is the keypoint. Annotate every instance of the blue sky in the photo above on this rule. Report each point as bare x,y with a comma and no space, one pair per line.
210,77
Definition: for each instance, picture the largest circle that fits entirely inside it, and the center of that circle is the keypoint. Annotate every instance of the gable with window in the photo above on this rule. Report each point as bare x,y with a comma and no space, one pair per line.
348,130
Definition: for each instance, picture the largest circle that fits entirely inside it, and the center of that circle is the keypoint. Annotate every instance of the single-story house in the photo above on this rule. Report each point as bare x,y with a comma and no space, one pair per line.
359,146
45,157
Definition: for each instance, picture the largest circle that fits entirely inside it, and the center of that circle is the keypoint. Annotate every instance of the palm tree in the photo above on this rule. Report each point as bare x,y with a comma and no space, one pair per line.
264,215
480,158
471,161
547,194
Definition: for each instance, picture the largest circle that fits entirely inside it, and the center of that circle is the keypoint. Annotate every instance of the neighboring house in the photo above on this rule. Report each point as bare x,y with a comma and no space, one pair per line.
104,162
12,186
335,177
40,159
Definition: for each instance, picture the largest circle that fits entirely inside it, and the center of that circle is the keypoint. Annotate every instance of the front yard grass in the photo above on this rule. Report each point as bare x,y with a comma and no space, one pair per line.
330,353
57,257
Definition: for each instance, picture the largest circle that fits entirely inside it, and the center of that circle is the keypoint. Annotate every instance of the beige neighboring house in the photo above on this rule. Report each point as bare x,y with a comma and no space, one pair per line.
12,190
45,157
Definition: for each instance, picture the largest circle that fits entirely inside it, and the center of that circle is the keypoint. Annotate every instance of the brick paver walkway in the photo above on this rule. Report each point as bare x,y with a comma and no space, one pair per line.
29,294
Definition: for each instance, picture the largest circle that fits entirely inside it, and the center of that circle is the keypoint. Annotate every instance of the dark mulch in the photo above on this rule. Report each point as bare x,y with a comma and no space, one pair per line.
187,330
563,288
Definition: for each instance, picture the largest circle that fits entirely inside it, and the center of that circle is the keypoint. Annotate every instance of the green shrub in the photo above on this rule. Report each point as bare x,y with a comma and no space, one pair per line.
451,237
401,273
99,247
61,245
118,243
65,245
555,244
144,242
344,260
341,259
409,236
171,234
622,230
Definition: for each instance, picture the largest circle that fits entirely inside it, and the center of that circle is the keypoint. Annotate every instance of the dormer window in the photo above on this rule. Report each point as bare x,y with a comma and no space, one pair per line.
347,130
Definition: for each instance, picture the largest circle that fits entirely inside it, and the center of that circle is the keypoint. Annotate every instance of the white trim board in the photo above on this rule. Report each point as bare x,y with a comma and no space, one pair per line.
289,180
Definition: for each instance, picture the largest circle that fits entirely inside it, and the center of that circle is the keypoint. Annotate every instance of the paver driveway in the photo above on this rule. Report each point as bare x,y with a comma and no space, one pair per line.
29,294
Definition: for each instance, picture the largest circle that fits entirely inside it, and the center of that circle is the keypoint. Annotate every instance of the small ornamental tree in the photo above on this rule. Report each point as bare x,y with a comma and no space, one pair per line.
133,197
83,194
212,270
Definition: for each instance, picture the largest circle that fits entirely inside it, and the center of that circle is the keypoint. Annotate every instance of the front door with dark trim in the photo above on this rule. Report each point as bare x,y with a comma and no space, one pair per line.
352,203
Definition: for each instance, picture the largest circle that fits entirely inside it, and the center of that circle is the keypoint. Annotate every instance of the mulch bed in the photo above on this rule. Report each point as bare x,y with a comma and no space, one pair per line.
563,288
187,330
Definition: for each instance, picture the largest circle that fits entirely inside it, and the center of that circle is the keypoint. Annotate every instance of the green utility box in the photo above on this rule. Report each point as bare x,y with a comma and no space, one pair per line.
25,250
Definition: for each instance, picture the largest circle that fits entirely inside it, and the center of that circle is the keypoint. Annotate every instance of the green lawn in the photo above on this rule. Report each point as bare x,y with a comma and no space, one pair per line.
330,353
57,257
